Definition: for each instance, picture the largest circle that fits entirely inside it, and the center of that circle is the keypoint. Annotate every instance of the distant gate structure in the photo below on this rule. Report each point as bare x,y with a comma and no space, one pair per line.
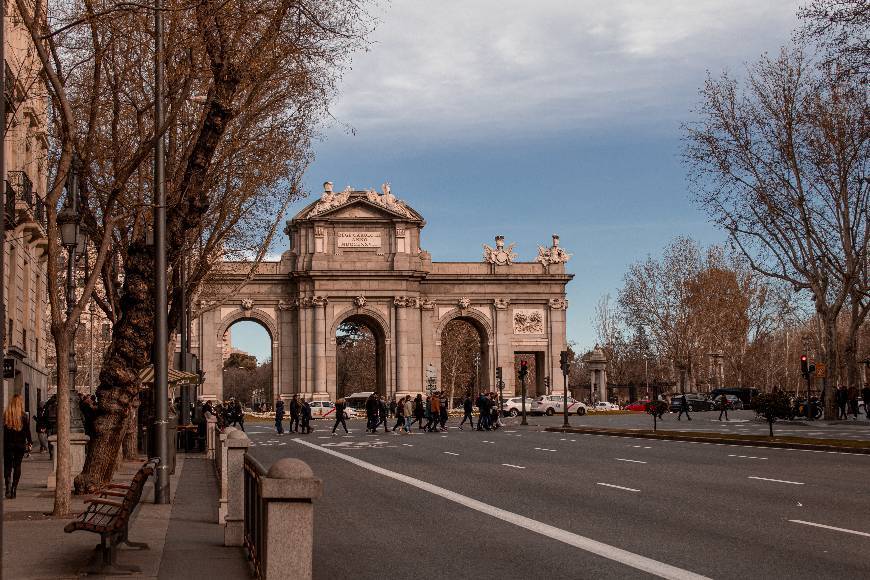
356,256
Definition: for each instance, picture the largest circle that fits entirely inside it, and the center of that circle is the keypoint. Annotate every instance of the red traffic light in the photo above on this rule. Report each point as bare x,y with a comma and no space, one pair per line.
803,357
523,364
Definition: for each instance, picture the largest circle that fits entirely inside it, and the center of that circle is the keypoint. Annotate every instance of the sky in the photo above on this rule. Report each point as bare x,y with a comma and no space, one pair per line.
528,119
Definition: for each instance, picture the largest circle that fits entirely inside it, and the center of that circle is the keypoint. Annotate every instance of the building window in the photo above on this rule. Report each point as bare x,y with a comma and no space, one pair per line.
24,338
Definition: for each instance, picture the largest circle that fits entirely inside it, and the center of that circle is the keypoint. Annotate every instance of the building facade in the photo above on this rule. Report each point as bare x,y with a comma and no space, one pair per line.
357,256
26,148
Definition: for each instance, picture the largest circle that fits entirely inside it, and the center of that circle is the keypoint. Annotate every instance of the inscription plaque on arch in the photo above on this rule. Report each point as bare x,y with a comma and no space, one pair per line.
359,239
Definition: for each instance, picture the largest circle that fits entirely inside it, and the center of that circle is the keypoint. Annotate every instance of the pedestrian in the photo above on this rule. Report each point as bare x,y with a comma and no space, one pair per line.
866,394
853,401
684,408
408,408
842,400
393,407
383,410
723,400
16,443
51,422
434,413
444,410
340,405
494,421
468,412
305,411
399,408
42,429
295,408
239,415
279,416
419,411
483,412
371,413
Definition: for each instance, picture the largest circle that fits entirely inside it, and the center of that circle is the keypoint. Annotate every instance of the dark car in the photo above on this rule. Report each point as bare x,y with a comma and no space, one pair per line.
695,402
734,403
745,394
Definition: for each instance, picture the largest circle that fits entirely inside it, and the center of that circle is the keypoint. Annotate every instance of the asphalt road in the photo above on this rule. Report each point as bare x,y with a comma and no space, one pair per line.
523,503
741,422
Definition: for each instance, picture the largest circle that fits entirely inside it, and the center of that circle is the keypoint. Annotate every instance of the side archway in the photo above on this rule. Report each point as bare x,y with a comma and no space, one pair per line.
476,354
265,320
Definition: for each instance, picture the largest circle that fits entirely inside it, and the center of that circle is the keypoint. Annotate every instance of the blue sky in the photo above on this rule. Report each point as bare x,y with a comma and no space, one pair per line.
529,119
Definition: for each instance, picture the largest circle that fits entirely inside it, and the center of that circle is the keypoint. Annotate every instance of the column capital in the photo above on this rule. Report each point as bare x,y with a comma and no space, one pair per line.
320,300
558,304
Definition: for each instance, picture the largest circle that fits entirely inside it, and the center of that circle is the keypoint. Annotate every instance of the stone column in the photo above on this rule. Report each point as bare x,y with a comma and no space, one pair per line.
319,346
400,302
234,523
287,491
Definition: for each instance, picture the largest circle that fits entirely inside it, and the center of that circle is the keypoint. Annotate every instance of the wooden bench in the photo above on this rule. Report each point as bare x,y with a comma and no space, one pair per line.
110,518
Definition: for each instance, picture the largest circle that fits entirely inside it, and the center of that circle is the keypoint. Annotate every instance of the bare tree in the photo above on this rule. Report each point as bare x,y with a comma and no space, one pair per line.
460,349
841,27
779,161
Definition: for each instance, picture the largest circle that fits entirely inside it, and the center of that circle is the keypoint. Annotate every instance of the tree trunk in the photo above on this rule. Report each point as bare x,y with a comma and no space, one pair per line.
130,447
829,328
129,352
63,486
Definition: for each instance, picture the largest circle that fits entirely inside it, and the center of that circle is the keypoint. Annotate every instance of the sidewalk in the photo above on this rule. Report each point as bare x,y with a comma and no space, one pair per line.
36,547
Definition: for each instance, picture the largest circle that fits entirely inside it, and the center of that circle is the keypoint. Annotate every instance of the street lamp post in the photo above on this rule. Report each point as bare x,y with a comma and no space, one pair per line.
68,221
524,370
565,366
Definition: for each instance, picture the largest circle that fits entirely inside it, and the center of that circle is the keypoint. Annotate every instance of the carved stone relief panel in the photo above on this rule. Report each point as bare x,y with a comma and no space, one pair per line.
528,321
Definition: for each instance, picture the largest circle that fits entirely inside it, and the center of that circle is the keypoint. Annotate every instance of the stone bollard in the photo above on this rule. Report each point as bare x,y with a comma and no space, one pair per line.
220,465
210,436
234,522
287,492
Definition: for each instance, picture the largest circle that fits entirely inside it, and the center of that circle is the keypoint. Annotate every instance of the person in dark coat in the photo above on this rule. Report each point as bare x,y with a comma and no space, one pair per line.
468,410
723,400
279,416
865,393
842,400
419,412
684,408
42,429
306,417
382,415
483,410
16,443
340,405
400,415
295,409
444,413
371,413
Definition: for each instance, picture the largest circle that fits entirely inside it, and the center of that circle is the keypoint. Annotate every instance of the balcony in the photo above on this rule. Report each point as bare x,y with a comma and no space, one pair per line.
28,208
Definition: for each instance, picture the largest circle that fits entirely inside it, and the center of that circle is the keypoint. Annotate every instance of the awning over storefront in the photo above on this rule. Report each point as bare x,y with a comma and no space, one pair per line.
175,376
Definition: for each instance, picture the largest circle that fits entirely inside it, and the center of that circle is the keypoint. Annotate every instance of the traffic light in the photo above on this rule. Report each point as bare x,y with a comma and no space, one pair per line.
804,365
524,369
563,362
497,374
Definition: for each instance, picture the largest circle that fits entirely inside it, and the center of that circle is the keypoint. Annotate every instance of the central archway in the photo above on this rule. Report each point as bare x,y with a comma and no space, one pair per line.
360,355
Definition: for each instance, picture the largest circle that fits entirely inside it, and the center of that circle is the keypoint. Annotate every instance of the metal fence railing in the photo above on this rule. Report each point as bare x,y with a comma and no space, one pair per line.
255,532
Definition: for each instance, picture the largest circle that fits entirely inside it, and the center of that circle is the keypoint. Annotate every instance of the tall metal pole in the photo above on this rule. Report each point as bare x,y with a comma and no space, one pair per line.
565,404
523,381
76,421
161,366
91,362
2,234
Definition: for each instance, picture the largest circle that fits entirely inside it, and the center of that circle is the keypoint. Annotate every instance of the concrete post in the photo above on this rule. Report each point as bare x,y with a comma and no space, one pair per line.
221,467
288,490
319,336
234,523
210,436
400,302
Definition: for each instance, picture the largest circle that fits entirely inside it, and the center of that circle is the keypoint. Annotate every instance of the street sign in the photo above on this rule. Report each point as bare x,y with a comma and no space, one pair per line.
820,369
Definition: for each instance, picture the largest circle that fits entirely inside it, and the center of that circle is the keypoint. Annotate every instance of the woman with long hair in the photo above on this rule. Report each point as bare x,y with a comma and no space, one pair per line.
339,416
16,441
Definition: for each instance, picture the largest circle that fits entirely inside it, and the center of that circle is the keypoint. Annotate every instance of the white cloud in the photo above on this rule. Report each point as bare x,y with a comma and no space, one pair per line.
482,66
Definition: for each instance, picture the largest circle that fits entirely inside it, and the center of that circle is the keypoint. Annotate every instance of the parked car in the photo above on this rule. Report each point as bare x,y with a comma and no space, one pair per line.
745,394
606,406
325,409
637,406
695,402
514,406
552,404
734,402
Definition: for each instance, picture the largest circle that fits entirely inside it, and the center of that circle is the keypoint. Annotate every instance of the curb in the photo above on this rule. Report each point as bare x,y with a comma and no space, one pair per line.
712,439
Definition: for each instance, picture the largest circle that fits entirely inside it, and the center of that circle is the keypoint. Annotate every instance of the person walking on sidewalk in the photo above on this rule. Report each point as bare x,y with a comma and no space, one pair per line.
371,413
295,408
723,400
42,429
339,416
445,414
866,394
419,411
306,417
842,401
468,412
383,411
684,408
16,442
409,413
279,416
853,402
434,413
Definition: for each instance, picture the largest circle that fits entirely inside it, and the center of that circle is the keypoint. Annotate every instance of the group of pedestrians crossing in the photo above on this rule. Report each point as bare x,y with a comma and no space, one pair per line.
299,410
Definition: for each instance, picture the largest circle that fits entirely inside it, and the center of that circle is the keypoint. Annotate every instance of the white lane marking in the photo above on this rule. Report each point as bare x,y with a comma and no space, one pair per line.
629,460
836,529
776,480
746,456
488,442
450,453
514,466
573,440
617,486
407,444
542,449
631,559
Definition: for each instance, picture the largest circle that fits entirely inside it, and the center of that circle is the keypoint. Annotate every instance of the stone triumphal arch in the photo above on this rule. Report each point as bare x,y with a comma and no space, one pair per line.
356,256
